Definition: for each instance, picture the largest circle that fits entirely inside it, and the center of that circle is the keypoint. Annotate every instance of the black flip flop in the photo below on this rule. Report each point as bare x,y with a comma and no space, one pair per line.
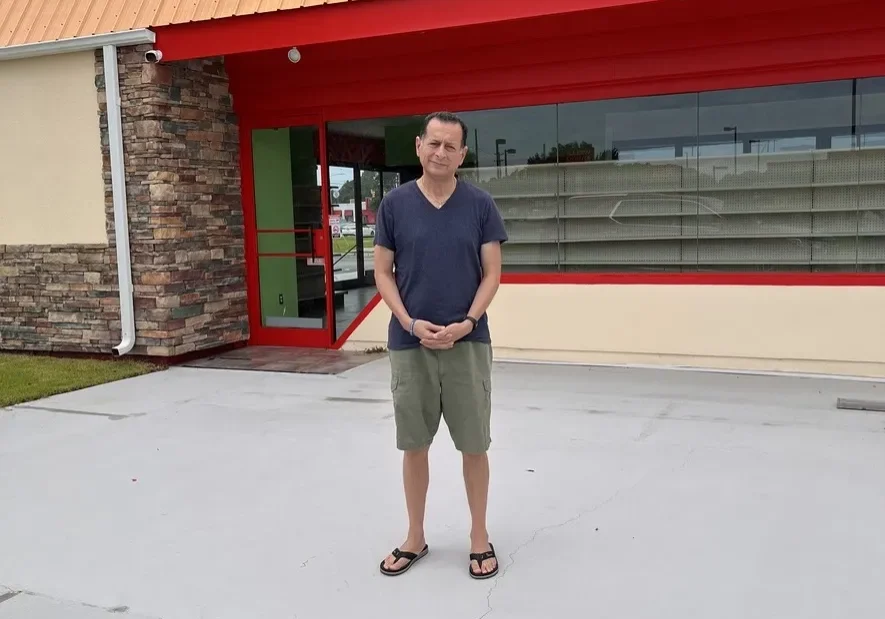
411,557
479,557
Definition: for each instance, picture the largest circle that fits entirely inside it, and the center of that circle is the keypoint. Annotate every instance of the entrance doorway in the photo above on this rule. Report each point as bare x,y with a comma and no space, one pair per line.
310,206
356,192
294,304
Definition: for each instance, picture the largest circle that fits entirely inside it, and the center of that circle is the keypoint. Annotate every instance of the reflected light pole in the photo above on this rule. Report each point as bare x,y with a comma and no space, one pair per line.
498,144
735,131
509,151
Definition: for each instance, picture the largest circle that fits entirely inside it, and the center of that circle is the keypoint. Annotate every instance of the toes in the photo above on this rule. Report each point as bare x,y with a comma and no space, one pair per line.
398,564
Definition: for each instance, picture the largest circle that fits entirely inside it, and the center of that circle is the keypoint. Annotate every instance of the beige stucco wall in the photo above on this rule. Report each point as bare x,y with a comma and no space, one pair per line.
832,330
51,185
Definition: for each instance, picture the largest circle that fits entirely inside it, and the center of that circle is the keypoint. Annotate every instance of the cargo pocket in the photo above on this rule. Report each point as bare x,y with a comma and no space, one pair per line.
487,393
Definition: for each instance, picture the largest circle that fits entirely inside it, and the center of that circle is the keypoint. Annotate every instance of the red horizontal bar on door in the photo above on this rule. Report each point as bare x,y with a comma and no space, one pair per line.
287,231
289,255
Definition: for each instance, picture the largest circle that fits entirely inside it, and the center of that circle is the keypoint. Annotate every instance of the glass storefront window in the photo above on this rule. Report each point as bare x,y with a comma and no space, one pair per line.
780,198
871,174
512,154
628,198
782,178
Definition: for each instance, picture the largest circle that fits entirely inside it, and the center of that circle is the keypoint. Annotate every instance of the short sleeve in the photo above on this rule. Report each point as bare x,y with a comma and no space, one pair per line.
493,224
384,233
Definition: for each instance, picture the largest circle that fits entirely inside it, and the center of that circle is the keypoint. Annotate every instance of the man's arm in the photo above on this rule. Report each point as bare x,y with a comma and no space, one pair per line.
385,281
386,284
490,255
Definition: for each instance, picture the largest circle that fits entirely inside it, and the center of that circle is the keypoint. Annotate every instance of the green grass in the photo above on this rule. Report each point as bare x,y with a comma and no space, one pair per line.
343,245
24,378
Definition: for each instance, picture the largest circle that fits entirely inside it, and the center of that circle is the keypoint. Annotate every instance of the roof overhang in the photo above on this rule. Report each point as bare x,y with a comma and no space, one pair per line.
77,44
351,21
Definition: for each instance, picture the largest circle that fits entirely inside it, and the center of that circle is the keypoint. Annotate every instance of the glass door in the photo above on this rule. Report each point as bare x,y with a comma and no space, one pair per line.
292,248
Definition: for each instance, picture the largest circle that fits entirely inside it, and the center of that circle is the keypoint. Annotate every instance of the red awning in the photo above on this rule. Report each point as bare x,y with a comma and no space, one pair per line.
350,21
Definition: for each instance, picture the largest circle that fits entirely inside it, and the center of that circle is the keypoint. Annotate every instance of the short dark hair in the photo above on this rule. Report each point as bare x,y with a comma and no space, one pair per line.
447,118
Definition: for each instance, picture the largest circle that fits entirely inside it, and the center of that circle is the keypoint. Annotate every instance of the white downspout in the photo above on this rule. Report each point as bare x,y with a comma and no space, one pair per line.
118,188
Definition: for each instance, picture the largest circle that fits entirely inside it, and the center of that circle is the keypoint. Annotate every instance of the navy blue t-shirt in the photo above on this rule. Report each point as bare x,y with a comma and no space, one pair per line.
437,263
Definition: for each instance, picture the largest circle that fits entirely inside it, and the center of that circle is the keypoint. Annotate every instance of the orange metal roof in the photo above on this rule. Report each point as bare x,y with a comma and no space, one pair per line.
35,21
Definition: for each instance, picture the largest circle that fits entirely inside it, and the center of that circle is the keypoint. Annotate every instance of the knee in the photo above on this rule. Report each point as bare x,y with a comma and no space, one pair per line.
416,455
475,458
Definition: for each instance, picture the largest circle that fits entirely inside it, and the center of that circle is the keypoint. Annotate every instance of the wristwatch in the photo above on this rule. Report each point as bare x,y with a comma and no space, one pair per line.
473,320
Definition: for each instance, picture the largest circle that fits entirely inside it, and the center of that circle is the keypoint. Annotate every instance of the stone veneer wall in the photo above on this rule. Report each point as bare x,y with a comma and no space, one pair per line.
58,298
181,145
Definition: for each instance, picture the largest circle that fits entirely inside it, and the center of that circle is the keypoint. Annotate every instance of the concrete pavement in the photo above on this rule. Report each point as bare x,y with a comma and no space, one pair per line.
207,494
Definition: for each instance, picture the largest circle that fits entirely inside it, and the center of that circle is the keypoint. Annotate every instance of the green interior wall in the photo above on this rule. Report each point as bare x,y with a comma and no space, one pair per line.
399,144
277,276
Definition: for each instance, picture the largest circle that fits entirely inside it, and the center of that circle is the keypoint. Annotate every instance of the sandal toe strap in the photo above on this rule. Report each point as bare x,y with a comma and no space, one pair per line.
479,557
402,554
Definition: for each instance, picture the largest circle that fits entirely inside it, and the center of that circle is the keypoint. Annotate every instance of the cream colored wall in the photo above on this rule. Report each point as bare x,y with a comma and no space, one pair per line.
51,185
831,330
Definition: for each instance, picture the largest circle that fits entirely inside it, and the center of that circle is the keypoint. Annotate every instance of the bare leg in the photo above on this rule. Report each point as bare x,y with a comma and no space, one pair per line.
476,479
416,479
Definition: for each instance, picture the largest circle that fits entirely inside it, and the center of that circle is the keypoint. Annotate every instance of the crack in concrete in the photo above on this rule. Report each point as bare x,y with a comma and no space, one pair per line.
112,609
68,411
651,425
537,532
357,400
573,519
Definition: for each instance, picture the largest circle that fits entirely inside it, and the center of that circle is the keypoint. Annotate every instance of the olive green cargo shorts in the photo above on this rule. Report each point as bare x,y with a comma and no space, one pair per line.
454,383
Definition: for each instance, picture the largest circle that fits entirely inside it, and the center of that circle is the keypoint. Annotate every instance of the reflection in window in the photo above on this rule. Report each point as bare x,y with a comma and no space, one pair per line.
871,174
629,202
512,155
761,179
501,143
781,199
647,154
785,178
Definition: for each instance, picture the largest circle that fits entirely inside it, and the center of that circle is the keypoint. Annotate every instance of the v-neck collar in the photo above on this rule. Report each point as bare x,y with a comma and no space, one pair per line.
431,204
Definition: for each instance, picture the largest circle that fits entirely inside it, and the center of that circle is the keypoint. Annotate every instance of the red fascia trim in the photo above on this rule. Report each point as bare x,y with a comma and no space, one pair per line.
368,309
698,279
348,21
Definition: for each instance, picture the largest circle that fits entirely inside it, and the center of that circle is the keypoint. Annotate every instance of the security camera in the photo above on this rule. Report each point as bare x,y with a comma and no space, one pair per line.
153,56
294,55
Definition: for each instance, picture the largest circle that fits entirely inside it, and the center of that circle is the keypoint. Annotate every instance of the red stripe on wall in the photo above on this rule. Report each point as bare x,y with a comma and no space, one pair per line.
699,279
660,279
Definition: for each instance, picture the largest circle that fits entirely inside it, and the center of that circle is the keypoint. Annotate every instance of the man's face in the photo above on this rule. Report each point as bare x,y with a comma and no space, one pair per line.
440,151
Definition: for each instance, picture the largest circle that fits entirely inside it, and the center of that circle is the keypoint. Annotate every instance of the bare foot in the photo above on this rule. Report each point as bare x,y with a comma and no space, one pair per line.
410,545
480,544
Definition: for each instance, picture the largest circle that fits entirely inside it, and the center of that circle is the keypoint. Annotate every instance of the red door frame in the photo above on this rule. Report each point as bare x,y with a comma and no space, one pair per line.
274,336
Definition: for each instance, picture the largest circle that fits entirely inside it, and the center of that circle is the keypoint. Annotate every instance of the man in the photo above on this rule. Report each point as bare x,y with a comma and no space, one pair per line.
444,237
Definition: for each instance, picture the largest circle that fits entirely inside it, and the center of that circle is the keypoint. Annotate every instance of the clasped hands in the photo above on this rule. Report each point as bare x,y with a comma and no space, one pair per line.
436,337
